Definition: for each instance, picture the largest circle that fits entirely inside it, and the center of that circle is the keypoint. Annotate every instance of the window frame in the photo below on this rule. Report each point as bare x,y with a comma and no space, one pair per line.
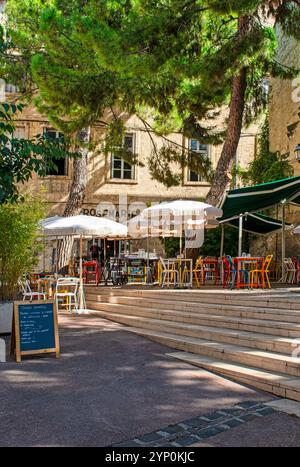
58,134
122,168
196,151
21,129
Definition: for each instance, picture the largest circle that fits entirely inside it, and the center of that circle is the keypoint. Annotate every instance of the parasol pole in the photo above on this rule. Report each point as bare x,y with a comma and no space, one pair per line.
240,235
283,242
44,259
148,262
81,289
56,256
222,241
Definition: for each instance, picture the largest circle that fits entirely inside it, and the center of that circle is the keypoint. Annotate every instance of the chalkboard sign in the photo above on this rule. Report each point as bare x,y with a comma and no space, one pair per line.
35,328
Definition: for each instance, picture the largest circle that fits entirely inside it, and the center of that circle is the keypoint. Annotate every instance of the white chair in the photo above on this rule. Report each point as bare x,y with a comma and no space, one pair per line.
67,287
168,271
292,271
28,293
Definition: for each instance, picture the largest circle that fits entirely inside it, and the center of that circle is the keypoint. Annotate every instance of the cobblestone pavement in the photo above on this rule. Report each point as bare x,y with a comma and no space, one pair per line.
194,430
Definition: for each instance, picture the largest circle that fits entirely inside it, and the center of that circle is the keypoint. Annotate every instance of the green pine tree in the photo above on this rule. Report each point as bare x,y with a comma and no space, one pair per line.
175,61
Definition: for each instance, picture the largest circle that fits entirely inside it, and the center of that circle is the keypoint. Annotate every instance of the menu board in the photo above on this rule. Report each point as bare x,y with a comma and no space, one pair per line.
35,328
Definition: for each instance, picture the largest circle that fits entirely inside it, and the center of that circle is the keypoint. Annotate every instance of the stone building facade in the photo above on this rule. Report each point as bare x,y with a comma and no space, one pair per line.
285,104
113,184
114,187
285,136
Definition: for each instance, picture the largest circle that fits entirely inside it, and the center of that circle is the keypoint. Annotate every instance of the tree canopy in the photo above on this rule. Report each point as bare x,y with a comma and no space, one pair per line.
172,60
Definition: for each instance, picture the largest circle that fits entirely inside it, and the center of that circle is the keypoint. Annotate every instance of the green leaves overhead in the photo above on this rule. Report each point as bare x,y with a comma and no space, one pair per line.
83,58
87,56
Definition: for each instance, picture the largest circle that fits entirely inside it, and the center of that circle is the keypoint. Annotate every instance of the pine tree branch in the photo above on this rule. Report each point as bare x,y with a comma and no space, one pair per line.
151,129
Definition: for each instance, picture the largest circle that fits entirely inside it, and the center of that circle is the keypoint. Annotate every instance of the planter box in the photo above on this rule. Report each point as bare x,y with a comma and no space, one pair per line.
6,314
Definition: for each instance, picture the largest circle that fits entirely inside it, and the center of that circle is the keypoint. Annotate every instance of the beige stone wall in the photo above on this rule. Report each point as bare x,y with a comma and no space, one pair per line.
285,135
272,244
285,104
101,189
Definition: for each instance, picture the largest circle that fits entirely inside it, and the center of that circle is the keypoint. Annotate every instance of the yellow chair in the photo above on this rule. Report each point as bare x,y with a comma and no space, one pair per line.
198,270
263,273
168,273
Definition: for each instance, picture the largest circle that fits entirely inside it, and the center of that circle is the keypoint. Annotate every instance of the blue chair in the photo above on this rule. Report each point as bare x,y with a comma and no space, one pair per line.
233,272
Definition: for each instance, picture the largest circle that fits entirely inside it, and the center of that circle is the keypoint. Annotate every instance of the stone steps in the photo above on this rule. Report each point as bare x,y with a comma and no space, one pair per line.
275,383
265,360
253,298
248,336
241,338
238,311
278,328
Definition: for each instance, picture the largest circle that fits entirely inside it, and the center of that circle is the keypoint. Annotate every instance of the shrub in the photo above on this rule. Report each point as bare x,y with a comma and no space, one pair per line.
19,245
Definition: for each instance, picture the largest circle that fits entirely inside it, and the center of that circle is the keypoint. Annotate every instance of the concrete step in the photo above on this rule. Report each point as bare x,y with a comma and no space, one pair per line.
240,311
265,360
222,335
278,328
253,298
275,383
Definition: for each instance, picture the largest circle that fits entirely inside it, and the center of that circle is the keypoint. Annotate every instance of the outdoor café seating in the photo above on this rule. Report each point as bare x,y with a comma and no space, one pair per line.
27,292
261,276
91,272
125,266
240,272
67,287
237,275
206,269
234,272
169,274
290,271
198,272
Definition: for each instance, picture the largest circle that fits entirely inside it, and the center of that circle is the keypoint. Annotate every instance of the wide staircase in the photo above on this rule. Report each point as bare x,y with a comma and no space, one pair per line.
250,337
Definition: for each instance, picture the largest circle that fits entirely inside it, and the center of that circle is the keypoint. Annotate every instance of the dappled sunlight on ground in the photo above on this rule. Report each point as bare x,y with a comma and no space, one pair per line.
108,385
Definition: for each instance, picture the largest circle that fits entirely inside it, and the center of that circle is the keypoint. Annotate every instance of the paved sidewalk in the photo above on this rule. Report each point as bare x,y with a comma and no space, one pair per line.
194,430
109,386
247,424
275,430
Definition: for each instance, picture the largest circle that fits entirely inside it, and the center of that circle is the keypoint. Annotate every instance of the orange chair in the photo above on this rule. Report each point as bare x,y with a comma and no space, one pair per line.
262,274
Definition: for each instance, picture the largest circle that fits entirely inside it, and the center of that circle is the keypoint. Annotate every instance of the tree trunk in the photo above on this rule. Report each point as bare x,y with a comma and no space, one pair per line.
235,123
76,195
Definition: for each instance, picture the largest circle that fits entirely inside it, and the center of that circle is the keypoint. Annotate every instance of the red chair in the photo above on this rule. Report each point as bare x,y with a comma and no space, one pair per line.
211,269
91,272
226,272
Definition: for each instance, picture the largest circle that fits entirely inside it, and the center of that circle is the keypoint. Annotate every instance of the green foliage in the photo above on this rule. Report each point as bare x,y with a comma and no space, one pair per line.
172,247
212,242
176,57
20,158
267,165
19,244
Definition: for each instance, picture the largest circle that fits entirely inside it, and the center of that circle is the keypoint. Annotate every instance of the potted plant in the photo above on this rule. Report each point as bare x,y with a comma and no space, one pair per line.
19,249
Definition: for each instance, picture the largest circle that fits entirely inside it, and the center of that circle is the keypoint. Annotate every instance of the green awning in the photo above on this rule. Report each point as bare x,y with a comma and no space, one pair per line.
258,197
258,223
